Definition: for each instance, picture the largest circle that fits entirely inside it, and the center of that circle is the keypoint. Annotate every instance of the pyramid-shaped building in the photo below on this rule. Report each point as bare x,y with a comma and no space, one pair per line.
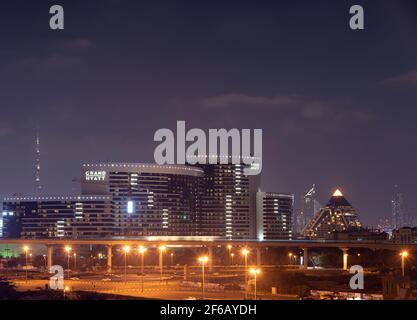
337,215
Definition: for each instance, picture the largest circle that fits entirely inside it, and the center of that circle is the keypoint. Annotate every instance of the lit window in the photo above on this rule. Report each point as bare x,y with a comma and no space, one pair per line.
130,206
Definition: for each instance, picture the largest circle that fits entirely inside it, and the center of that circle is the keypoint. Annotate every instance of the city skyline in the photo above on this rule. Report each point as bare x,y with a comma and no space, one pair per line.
221,151
314,86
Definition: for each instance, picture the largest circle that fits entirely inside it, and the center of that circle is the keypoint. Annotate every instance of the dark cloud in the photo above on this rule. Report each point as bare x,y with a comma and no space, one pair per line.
408,79
79,44
5,130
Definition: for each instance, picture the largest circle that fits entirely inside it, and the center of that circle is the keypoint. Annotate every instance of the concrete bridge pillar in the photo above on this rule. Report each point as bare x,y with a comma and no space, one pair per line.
345,258
109,258
49,256
210,258
305,258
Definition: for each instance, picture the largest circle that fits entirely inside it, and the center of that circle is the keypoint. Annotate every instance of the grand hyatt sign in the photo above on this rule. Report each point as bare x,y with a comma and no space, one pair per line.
95,175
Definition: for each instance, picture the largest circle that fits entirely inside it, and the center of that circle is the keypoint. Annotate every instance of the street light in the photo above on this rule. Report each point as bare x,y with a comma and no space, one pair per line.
161,248
289,257
44,259
403,254
245,253
26,249
142,251
75,261
232,255
66,289
172,259
255,272
68,251
229,247
203,261
126,250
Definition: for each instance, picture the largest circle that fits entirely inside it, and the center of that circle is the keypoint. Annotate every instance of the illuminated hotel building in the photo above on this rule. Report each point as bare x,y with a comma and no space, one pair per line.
337,215
274,216
228,201
142,200
147,199
57,217
117,200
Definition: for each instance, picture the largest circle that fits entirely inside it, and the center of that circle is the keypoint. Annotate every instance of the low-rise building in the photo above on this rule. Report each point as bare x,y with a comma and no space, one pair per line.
405,235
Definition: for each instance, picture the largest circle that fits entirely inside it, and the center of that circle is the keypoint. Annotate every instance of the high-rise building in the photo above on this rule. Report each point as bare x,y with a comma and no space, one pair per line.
228,201
309,207
38,185
135,200
1,226
10,225
274,216
148,199
337,215
397,207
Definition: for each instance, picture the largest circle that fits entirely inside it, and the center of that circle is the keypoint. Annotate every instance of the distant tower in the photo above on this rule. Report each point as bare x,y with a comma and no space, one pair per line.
397,206
38,186
309,207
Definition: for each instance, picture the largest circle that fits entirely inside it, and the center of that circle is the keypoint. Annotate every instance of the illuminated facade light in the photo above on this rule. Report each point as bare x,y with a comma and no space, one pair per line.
337,193
130,206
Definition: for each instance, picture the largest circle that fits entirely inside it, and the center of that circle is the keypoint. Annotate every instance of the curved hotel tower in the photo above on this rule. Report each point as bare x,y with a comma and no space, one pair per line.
147,200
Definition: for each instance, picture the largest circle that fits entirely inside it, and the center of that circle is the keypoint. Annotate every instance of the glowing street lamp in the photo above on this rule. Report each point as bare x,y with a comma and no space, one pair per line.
66,289
172,259
26,249
68,251
203,261
142,251
255,272
161,248
75,261
229,247
245,253
232,255
126,250
404,255
290,258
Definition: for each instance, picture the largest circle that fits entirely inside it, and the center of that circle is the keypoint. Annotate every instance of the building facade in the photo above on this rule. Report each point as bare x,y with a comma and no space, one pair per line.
405,235
58,217
274,216
309,206
337,215
148,199
142,200
228,202
397,207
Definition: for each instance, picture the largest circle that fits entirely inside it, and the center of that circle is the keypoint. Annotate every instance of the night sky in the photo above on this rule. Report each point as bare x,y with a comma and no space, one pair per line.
337,107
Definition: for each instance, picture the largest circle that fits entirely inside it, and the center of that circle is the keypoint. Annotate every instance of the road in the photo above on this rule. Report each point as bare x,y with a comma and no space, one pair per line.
154,289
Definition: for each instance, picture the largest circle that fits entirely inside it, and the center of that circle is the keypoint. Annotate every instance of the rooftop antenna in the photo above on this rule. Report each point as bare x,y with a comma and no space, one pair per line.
38,186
